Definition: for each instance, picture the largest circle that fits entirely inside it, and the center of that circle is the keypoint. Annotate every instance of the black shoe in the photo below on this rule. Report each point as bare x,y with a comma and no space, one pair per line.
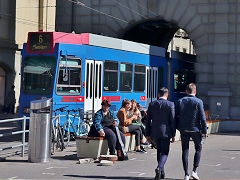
141,151
157,176
162,175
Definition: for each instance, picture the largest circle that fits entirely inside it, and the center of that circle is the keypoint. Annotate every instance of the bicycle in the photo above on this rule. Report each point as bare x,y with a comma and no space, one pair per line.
57,131
71,129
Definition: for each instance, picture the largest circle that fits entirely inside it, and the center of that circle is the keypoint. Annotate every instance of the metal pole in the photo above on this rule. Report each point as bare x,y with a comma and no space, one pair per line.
23,135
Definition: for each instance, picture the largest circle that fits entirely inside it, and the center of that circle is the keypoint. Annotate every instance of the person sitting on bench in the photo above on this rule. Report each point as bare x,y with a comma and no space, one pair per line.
104,123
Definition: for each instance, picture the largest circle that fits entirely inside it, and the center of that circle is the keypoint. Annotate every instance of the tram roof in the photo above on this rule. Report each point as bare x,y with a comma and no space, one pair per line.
106,42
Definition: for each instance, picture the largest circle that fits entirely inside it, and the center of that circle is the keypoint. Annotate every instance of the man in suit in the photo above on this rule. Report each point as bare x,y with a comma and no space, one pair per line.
191,122
160,128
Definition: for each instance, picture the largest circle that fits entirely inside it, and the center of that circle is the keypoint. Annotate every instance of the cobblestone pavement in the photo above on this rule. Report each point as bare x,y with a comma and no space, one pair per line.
220,160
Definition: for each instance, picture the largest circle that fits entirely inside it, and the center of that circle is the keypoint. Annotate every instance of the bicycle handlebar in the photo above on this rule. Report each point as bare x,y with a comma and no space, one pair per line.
61,109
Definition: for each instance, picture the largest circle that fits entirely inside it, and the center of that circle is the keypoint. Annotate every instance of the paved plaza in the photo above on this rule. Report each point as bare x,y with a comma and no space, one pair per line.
220,160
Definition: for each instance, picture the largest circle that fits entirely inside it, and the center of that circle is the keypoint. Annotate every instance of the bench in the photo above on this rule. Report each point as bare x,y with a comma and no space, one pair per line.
93,147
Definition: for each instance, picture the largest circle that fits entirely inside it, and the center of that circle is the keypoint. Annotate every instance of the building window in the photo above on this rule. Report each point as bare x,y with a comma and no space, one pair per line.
110,76
125,77
69,76
177,48
184,50
139,78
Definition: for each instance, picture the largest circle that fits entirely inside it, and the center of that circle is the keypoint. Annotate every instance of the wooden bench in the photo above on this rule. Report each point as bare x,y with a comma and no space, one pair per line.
93,147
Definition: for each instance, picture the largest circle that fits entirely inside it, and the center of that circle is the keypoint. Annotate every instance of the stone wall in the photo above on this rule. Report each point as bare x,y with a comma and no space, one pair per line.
213,26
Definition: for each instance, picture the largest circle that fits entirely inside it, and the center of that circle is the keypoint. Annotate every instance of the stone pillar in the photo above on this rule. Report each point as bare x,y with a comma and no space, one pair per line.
219,101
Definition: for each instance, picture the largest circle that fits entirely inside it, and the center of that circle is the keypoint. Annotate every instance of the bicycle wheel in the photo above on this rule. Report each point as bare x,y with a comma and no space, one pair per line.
67,134
53,140
60,140
84,129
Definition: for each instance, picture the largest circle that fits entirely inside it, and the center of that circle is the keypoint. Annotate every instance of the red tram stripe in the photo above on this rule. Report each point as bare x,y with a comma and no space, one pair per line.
72,99
111,98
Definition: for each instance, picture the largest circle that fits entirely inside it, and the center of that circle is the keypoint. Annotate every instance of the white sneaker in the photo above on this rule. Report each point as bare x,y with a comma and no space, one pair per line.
186,177
194,175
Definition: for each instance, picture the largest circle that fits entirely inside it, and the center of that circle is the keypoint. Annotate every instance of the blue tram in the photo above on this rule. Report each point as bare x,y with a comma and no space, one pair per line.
81,70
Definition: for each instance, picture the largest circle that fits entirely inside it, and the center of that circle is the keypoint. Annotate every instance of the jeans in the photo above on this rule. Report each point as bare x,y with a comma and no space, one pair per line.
185,138
111,136
135,129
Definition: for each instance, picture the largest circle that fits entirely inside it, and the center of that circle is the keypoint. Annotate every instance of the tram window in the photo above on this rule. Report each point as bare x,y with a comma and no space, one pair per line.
69,76
139,78
110,83
160,77
125,77
38,75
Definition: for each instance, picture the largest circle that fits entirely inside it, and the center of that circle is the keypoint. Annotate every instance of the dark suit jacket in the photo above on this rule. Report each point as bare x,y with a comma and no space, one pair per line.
190,114
160,119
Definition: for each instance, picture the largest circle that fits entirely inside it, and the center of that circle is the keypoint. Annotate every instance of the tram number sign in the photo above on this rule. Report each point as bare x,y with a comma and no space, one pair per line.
40,43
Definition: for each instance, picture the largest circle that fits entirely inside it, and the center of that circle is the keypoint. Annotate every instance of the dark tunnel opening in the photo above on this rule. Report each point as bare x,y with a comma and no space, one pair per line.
153,32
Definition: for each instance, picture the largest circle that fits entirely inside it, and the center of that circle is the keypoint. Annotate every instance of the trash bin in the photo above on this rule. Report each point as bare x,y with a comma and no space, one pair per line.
39,144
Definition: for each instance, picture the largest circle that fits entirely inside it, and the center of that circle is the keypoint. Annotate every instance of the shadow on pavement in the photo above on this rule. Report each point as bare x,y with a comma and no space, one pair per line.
227,133
231,150
114,177
66,157
15,161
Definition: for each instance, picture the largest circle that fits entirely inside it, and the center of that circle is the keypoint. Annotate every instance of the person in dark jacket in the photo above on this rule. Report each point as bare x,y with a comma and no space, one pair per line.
160,128
104,123
191,122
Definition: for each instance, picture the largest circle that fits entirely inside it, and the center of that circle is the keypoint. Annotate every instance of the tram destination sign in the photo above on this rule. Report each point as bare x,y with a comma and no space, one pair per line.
40,42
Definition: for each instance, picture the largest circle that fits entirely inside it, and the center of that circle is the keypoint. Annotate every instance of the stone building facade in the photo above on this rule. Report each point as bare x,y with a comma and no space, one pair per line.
212,25
17,18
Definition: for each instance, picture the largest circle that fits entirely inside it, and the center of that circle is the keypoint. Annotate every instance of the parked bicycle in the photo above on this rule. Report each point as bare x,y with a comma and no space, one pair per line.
76,125
57,131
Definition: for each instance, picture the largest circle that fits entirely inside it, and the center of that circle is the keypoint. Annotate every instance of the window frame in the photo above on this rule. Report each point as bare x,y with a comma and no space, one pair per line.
139,73
80,84
111,71
125,72
22,75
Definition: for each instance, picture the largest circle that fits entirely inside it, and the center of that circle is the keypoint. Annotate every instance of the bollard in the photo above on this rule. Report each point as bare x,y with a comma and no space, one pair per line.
40,131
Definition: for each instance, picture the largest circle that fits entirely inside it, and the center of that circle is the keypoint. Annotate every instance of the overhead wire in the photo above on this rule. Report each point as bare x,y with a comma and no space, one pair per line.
147,9
24,21
131,9
93,9
30,22
84,5
34,7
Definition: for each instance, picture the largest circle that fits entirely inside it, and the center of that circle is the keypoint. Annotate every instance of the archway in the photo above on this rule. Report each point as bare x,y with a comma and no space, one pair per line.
161,33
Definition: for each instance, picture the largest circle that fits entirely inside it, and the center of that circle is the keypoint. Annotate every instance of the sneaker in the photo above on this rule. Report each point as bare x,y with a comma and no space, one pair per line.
186,177
146,144
141,151
194,175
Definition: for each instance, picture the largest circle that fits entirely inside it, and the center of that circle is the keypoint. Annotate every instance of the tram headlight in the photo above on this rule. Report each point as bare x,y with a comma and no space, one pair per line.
26,110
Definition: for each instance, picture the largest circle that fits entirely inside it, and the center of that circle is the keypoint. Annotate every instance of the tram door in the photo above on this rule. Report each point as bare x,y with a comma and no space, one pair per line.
93,83
151,84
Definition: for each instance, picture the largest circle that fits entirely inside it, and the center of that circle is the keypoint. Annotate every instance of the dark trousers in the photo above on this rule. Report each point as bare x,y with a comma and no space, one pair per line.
111,136
162,151
185,138
135,129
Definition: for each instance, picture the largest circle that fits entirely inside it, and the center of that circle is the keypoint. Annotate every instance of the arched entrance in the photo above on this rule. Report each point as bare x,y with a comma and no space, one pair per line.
2,86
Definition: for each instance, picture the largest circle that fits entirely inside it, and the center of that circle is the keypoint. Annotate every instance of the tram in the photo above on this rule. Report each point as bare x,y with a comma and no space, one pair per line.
81,70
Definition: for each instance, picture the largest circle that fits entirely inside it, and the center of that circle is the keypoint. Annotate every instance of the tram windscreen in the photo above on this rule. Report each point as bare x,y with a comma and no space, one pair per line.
38,75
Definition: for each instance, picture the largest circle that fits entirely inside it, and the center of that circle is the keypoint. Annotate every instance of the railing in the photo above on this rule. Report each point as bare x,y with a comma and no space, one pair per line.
23,132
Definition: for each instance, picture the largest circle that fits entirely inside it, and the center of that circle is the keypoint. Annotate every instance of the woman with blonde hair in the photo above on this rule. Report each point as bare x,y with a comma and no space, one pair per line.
126,123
